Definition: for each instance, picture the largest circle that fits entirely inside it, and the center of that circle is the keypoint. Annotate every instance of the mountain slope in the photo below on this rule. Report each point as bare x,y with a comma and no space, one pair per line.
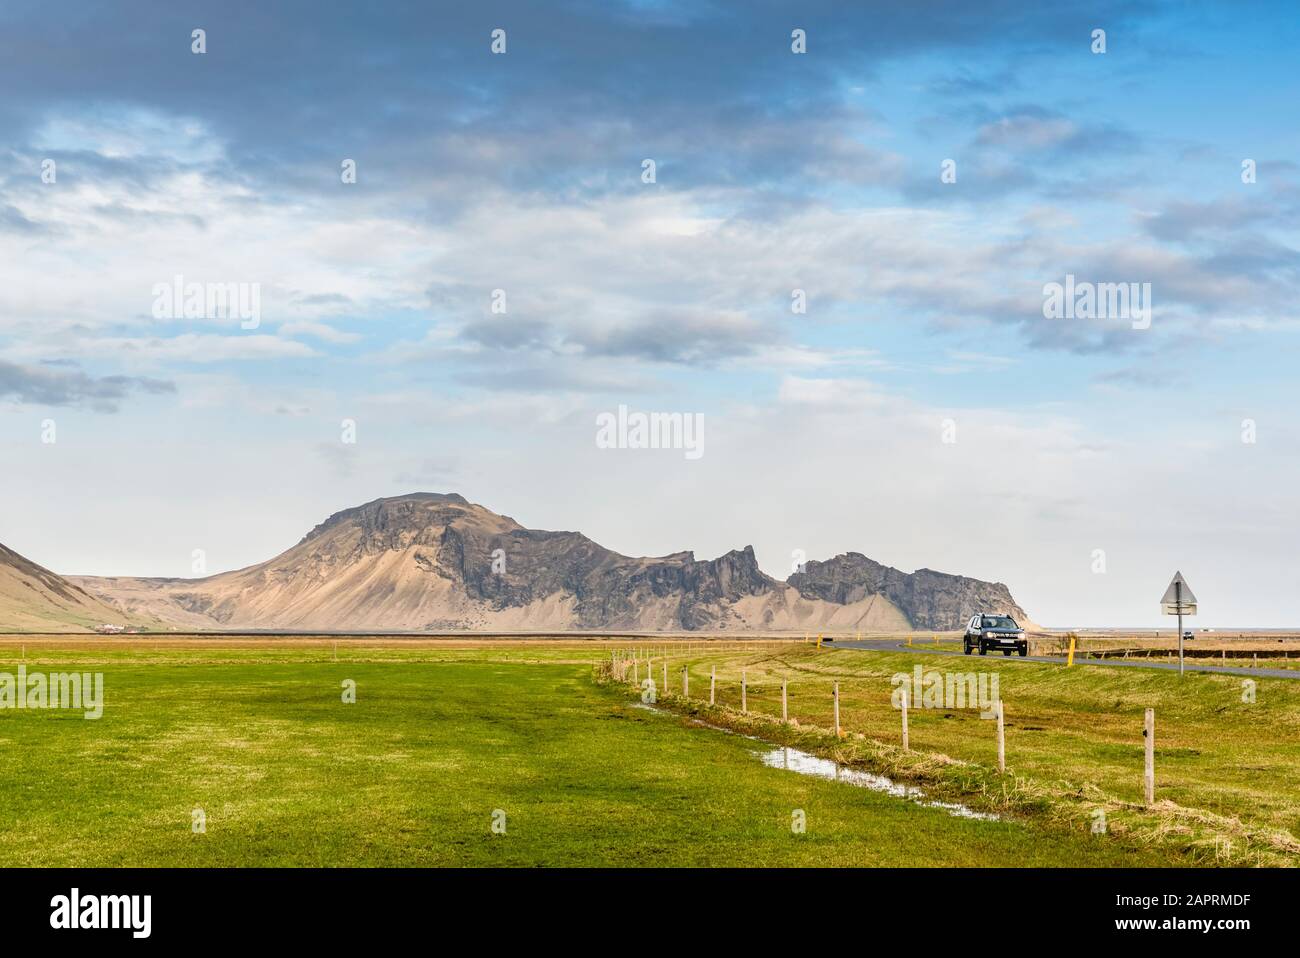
34,599
431,561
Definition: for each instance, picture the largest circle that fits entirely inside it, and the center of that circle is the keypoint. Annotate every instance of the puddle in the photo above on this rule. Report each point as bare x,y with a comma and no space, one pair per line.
804,763
794,760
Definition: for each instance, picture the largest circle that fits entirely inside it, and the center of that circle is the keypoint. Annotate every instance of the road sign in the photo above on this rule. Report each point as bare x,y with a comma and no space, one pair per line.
1178,600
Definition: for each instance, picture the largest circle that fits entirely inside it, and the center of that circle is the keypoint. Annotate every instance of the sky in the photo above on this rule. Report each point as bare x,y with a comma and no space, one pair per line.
504,270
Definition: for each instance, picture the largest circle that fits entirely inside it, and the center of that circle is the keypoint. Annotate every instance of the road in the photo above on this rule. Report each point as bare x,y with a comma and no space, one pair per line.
894,645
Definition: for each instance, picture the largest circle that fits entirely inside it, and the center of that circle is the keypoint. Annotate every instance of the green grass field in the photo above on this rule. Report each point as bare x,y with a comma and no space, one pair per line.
287,774
1227,769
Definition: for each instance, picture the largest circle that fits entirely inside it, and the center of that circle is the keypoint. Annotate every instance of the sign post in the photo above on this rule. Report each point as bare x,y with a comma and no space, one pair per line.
1178,600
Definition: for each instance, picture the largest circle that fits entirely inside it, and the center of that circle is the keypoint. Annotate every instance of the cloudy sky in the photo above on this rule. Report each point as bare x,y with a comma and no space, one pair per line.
922,410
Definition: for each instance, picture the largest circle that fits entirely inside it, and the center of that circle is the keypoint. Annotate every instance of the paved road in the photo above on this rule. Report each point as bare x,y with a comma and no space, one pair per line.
893,645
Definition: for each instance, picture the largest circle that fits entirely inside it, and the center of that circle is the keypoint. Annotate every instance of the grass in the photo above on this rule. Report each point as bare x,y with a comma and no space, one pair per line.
1227,784
256,735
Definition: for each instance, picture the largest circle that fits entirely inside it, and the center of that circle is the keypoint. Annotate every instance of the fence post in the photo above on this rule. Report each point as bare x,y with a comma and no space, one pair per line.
665,676
686,683
744,693
785,714
713,682
1002,742
837,709
905,745
636,672
1150,777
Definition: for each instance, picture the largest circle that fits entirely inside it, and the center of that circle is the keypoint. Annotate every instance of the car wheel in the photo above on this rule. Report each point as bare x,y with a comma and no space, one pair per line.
1024,650
984,649
966,647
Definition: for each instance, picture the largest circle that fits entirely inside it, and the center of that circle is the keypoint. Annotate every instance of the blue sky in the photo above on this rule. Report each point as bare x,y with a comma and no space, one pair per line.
775,171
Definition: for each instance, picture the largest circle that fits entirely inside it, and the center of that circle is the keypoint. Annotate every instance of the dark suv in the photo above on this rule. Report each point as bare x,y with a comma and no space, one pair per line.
994,632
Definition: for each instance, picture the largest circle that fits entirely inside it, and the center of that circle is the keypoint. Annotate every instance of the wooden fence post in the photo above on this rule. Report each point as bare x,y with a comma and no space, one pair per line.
686,683
713,682
744,693
785,714
665,676
837,709
1002,742
1150,777
905,745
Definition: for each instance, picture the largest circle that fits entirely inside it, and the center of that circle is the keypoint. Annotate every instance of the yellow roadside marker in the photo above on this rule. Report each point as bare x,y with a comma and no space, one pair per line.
1070,661
819,640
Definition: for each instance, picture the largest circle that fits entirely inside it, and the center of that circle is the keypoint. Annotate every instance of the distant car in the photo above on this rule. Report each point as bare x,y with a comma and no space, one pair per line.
1188,635
1000,632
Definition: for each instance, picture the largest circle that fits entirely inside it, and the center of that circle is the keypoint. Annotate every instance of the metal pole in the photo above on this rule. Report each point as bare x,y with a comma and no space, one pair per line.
1178,599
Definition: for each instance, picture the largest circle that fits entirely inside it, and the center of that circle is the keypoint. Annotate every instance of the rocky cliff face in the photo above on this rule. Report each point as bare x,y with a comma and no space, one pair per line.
505,566
929,599
438,562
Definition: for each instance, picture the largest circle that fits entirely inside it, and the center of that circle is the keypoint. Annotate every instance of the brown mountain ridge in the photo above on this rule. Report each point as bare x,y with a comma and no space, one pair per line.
436,562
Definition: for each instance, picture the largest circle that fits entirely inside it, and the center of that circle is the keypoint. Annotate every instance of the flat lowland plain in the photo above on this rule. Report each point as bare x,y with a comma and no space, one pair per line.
442,737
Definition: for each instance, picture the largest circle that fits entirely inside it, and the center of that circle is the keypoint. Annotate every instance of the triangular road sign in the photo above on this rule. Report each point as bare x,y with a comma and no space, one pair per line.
1177,600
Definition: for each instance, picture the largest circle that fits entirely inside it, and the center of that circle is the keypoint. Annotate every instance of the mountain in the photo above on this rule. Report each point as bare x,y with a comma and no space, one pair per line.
929,599
433,562
34,599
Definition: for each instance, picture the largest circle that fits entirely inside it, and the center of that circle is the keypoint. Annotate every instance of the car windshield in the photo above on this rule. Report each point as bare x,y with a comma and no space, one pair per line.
997,622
